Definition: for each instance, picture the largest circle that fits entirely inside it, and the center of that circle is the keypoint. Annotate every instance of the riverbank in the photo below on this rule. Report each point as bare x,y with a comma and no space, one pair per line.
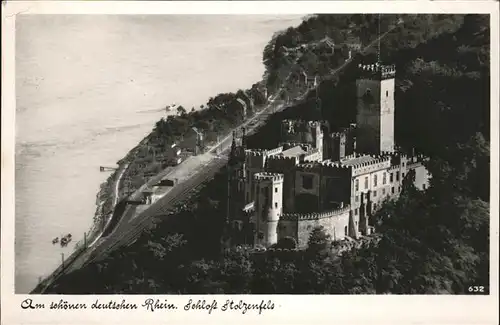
106,202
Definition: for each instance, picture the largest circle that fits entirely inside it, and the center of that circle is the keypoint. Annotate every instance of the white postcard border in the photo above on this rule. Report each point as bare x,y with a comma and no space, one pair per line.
289,309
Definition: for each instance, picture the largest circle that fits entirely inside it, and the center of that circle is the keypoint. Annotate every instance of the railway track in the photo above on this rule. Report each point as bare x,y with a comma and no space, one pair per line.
159,209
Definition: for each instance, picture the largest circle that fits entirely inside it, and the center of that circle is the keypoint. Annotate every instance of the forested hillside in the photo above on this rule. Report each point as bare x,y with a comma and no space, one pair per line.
433,241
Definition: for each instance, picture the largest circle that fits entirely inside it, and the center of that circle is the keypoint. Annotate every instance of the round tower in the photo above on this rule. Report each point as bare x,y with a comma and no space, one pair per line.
269,207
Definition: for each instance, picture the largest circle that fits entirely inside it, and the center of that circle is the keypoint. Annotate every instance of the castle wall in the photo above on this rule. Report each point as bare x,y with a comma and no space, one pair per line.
288,228
335,187
335,226
307,191
371,178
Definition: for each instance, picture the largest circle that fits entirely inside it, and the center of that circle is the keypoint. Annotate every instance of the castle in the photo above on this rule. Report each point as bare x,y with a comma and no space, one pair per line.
320,178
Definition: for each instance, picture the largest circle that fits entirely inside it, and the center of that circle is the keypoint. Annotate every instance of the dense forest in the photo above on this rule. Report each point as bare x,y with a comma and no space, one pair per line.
430,242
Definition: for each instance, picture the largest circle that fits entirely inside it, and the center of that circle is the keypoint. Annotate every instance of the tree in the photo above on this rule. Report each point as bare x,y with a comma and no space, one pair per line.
181,110
319,242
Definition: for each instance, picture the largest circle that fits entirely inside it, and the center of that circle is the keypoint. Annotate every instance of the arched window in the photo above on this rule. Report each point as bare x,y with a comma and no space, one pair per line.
345,230
374,180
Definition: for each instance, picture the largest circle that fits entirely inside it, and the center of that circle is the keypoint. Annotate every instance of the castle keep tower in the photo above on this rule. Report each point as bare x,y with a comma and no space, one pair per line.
375,108
268,207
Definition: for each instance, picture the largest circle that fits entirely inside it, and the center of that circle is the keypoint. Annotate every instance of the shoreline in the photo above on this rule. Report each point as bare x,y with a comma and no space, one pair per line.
101,219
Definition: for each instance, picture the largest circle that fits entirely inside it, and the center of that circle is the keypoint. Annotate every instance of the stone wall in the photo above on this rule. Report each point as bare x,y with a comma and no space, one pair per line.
299,226
335,226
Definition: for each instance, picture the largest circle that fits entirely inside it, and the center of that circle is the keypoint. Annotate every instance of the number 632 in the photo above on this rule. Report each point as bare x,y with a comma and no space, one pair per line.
476,288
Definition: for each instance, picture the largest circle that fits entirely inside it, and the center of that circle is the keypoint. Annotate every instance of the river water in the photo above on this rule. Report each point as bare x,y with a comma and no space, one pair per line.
89,88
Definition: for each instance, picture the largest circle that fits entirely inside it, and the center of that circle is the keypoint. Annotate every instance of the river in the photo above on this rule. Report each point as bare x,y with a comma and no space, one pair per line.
89,88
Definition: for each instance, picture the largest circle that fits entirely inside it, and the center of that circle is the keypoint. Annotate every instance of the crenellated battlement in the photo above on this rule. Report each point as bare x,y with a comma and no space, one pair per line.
309,166
291,144
338,134
283,159
310,124
266,176
250,207
391,154
377,67
334,164
377,70
275,151
314,215
256,152
313,155
343,131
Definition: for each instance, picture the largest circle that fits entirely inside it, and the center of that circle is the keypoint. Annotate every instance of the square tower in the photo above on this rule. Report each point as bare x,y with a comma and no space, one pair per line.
375,108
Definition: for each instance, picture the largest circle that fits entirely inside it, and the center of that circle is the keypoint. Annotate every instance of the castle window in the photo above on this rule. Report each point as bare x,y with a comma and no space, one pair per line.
356,198
402,175
345,230
392,190
374,193
374,206
384,178
387,93
397,176
276,205
307,182
391,178
374,180
356,186
366,183
275,190
383,191
356,211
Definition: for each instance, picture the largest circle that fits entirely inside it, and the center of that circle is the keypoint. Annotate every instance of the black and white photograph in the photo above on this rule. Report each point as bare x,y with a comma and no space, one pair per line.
253,154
